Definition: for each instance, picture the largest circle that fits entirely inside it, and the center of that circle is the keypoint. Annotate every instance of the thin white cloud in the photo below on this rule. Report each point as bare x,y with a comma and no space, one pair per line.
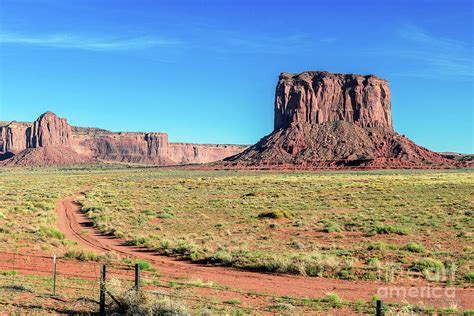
70,41
230,41
419,36
439,55
428,55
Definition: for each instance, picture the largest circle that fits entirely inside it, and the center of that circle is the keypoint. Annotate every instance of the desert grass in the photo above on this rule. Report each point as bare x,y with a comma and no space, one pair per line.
350,225
316,224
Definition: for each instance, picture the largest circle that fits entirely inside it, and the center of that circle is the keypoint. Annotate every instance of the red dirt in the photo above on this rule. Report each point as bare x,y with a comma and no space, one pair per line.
76,226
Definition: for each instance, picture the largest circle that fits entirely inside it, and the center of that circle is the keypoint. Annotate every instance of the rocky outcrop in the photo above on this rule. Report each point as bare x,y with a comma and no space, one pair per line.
146,148
325,120
123,147
316,97
49,130
51,140
13,137
185,153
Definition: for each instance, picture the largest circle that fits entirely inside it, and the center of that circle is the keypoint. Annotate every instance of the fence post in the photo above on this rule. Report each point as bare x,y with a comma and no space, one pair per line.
379,308
54,275
137,277
102,290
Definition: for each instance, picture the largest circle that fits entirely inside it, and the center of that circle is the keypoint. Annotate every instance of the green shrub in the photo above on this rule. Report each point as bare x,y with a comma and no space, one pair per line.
427,264
140,241
222,256
414,247
92,208
469,277
391,229
374,262
331,227
8,273
144,265
378,245
80,254
233,301
165,215
187,249
344,274
276,214
50,232
333,299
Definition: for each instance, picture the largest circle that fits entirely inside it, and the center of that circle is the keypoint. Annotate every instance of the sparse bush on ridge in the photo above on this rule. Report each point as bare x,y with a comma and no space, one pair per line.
427,263
414,247
50,232
331,227
333,299
81,254
391,229
373,262
469,277
144,265
276,214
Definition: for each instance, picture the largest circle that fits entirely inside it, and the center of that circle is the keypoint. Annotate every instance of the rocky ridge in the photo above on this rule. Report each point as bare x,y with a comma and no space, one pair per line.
51,140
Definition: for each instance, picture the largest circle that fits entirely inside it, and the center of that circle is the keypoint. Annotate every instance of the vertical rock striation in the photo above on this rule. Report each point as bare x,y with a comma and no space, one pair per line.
316,97
326,120
49,130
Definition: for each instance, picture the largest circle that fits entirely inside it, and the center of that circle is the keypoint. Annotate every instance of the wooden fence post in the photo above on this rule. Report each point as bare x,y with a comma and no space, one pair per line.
379,308
137,277
54,275
102,290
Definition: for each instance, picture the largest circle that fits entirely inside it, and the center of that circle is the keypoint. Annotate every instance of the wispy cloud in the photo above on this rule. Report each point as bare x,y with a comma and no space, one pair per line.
259,43
439,55
72,41
415,34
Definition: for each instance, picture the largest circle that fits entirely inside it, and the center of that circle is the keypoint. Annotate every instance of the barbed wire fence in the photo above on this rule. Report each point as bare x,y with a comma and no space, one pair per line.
97,283
103,285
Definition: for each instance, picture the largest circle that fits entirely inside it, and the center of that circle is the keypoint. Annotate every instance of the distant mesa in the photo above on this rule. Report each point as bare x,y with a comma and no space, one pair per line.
328,120
50,140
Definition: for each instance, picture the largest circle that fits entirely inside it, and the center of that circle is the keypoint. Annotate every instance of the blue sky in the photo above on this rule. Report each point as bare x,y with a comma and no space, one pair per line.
205,71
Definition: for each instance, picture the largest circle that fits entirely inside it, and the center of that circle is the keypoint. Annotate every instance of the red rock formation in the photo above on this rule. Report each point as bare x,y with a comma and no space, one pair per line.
146,148
49,130
185,153
71,145
325,120
13,137
124,147
316,97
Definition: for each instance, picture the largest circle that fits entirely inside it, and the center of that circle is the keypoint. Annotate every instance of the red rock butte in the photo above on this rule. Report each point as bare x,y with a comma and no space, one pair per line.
327,120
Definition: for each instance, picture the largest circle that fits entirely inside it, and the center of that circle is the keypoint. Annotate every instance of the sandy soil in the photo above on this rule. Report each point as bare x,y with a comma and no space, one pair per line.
76,226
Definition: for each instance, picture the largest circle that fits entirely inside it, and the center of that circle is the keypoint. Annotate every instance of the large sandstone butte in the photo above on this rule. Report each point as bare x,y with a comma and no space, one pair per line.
327,120
50,140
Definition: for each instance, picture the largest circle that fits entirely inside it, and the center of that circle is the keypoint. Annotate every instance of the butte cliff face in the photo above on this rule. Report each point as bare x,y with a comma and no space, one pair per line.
49,130
50,140
326,120
317,97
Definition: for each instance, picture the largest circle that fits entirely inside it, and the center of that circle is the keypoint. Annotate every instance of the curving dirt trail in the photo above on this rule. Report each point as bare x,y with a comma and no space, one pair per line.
76,226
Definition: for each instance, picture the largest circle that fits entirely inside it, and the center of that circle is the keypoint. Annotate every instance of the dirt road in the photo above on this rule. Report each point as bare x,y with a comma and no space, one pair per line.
76,226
